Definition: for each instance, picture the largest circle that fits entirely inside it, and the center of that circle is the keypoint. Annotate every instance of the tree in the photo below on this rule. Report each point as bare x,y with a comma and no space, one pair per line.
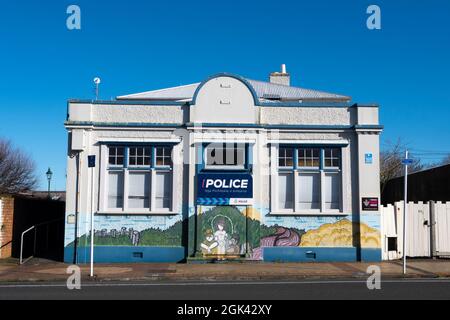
391,163
16,169
446,160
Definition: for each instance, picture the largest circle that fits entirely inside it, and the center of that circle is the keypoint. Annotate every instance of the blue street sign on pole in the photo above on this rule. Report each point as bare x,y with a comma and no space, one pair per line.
407,162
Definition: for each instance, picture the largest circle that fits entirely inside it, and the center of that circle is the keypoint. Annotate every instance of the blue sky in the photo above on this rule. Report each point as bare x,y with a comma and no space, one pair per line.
138,45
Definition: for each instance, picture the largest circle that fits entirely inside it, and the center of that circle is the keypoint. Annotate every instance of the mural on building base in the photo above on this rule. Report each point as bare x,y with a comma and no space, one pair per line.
233,231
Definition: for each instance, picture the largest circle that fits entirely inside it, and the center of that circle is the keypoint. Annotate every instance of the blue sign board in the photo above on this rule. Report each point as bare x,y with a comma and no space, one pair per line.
224,188
91,161
407,162
369,158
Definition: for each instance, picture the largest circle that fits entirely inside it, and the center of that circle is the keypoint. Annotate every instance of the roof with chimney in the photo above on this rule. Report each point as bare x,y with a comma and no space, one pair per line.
278,89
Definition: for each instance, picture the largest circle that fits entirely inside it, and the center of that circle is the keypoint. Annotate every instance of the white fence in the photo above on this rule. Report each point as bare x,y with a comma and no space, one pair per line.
427,230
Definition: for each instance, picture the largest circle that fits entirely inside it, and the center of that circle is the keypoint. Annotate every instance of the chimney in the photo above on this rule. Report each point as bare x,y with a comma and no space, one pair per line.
282,77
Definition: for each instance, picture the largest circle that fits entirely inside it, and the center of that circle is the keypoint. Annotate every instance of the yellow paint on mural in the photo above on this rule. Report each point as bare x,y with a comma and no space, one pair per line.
252,213
340,234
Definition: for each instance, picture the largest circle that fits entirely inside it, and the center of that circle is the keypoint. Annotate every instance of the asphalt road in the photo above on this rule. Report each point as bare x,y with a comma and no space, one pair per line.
259,290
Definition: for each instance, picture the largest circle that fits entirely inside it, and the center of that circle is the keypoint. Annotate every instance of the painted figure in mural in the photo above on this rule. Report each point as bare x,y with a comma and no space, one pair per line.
233,245
135,238
221,236
209,244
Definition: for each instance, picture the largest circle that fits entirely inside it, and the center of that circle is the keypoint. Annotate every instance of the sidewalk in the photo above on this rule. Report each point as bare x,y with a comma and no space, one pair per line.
37,270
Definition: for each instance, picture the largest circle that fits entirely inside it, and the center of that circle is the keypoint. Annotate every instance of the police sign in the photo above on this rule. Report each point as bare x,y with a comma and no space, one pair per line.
224,189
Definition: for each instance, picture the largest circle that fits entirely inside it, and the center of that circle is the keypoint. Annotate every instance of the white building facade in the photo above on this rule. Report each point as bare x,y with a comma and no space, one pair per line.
229,168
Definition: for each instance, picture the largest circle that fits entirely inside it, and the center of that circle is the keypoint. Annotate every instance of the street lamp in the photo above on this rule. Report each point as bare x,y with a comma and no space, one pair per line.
49,174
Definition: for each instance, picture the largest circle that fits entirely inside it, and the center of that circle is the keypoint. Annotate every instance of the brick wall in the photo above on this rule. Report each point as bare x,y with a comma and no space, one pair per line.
6,226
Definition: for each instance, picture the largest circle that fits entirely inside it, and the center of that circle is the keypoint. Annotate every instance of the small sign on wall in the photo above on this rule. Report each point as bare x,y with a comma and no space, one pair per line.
369,158
91,161
71,219
370,204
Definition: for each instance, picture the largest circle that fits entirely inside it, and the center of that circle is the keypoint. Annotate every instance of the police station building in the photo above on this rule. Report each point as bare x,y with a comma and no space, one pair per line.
226,169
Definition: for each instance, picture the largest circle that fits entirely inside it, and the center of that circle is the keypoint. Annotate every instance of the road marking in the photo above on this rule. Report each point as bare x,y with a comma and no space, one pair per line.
237,283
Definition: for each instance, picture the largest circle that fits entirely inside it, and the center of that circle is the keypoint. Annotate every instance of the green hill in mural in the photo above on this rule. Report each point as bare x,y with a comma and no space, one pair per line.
173,236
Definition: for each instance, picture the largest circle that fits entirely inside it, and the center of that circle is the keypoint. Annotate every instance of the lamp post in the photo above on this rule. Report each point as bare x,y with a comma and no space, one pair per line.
49,174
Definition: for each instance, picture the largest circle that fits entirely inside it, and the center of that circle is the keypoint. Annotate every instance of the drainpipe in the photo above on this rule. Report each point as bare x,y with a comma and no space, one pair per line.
77,208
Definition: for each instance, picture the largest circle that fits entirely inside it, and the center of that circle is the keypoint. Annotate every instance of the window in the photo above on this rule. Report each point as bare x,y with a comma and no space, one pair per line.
309,158
116,156
132,173
139,190
163,156
139,156
308,191
332,190
163,190
286,157
332,158
225,156
310,182
286,186
115,189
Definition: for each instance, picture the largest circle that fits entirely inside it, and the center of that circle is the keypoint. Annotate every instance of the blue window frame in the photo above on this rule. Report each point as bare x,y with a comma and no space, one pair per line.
158,157
309,179
132,172
139,156
309,158
163,157
116,156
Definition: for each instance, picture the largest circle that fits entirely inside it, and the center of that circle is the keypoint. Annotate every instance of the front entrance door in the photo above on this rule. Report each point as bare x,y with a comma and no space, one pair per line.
222,231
